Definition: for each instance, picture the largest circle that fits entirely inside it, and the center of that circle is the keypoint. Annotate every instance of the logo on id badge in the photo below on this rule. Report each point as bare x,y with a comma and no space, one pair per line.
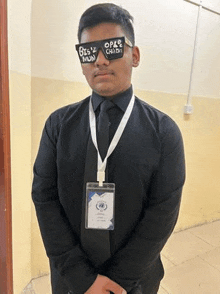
101,205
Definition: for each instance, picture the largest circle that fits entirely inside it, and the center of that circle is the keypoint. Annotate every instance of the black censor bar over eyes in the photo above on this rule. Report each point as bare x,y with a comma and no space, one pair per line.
111,48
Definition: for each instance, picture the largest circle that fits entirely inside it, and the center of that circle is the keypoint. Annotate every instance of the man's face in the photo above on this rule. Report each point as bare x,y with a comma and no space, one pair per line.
109,77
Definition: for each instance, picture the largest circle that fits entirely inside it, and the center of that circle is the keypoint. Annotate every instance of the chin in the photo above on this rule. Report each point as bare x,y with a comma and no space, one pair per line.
105,91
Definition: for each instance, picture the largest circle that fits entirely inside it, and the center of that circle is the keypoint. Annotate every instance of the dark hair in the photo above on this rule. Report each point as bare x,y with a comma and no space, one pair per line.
110,13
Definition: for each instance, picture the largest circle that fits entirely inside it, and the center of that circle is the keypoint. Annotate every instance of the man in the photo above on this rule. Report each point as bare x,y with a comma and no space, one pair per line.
144,164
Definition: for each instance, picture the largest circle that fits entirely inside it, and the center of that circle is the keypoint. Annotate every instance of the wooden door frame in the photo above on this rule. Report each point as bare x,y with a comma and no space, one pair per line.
6,273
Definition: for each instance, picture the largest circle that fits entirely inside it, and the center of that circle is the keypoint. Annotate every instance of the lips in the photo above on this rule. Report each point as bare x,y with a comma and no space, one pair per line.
102,73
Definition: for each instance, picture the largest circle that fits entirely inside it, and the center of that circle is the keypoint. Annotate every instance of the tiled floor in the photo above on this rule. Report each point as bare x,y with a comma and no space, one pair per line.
191,259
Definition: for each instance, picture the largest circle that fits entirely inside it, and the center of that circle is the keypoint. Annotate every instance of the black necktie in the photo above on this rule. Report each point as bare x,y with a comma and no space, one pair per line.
103,128
96,243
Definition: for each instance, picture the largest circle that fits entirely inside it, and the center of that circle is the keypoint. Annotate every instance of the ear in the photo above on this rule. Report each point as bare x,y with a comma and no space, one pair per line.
135,56
83,69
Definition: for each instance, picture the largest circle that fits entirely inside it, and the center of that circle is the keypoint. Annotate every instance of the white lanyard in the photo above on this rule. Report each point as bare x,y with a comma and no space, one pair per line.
92,119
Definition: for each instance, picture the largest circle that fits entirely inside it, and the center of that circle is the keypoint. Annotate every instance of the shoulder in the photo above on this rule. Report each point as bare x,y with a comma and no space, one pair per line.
60,116
164,126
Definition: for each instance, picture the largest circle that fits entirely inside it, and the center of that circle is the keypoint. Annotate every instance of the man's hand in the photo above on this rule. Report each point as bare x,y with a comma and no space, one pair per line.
104,285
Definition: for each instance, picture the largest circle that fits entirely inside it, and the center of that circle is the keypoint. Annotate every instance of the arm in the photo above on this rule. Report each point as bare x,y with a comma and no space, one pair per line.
130,264
61,244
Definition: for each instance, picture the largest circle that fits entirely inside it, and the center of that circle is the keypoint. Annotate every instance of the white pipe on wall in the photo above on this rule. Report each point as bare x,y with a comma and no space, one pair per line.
188,109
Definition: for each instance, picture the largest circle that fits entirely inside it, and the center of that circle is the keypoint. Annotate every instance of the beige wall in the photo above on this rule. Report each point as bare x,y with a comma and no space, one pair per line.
19,39
45,74
20,111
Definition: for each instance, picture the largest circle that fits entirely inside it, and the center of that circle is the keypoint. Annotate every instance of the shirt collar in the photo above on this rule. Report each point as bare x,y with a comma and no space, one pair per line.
121,100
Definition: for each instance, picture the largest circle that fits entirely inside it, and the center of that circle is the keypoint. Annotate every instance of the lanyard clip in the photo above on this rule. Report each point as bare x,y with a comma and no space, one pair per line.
100,177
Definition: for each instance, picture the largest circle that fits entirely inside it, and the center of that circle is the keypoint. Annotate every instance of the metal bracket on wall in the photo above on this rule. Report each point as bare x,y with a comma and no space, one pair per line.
198,3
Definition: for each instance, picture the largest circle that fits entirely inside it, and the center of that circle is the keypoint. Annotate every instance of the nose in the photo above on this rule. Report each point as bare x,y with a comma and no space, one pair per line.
101,60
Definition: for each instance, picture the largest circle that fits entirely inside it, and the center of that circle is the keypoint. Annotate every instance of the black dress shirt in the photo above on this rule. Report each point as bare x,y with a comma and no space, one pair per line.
147,167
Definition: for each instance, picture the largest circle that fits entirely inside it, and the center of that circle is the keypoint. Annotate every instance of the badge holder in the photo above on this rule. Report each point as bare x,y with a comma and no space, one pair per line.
100,206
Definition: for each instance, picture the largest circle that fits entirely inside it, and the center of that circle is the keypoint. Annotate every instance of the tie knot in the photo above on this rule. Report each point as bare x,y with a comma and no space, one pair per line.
106,105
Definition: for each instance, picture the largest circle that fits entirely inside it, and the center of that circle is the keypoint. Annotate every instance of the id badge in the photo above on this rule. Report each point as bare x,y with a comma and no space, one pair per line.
100,206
